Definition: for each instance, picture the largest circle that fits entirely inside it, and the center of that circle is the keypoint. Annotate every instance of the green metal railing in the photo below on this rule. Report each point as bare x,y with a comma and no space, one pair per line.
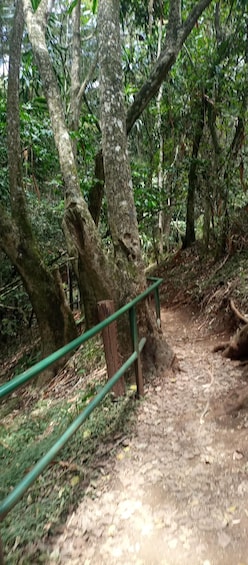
11,500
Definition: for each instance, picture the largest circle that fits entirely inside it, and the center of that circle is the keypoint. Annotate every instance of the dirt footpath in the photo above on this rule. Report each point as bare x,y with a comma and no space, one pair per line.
177,490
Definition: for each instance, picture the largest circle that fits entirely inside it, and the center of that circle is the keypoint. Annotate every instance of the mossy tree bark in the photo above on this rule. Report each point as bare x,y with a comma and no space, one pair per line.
118,182
55,320
122,217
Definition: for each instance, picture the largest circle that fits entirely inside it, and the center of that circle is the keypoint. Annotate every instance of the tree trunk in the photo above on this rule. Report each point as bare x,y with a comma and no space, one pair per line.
45,290
159,230
206,221
118,182
190,214
95,277
55,320
177,34
97,190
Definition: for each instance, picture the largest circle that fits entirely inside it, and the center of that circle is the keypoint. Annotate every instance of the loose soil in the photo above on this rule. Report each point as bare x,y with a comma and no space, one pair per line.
176,491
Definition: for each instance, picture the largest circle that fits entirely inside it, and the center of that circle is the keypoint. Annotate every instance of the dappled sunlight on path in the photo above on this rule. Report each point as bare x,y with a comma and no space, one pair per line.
177,490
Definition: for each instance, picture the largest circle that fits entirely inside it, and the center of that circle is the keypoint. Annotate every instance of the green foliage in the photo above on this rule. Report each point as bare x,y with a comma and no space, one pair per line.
87,146
30,83
40,159
138,10
15,308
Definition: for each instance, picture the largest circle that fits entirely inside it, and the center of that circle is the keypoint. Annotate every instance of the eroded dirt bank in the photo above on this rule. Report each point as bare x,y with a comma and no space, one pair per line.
177,491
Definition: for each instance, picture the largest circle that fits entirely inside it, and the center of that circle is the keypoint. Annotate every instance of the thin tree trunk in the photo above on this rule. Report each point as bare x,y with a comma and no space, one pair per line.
97,190
177,33
160,218
192,185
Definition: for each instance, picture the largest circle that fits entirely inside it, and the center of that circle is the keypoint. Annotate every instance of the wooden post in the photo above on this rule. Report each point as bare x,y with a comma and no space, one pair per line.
110,341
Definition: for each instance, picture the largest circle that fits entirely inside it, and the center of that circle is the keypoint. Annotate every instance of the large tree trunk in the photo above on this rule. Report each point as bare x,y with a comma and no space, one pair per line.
118,182
55,320
97,276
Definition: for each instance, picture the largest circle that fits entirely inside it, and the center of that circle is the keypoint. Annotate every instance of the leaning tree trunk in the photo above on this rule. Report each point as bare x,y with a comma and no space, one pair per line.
55,320
95,276
118,182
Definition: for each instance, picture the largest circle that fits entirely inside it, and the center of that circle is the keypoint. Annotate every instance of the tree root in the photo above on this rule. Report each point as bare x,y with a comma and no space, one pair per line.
237,347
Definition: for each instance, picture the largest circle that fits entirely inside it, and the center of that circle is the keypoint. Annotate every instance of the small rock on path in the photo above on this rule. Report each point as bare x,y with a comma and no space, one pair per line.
177,492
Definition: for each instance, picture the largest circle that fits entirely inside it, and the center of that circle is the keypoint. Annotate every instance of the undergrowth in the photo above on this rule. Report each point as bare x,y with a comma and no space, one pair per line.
28,435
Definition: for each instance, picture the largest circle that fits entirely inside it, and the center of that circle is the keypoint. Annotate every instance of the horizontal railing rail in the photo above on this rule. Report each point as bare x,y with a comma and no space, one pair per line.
16,494
19,380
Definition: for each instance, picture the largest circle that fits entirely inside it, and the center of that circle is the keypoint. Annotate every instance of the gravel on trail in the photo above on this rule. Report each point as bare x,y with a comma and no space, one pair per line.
176,490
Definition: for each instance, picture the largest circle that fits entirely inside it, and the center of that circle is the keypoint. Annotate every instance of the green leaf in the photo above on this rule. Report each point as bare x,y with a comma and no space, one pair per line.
35,4
72,6
94,6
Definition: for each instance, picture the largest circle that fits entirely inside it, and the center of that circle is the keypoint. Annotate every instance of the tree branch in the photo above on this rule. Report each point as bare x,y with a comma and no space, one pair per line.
175,19
87,80
175,38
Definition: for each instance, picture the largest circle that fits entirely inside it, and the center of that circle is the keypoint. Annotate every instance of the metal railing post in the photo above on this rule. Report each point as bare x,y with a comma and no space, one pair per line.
137,363
157,307
157,300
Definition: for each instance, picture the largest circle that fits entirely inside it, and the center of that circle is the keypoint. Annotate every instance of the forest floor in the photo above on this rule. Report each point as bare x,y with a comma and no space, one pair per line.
167,485
176,490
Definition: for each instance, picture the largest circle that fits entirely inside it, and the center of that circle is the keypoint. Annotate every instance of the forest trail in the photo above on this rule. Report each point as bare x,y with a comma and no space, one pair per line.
176,492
